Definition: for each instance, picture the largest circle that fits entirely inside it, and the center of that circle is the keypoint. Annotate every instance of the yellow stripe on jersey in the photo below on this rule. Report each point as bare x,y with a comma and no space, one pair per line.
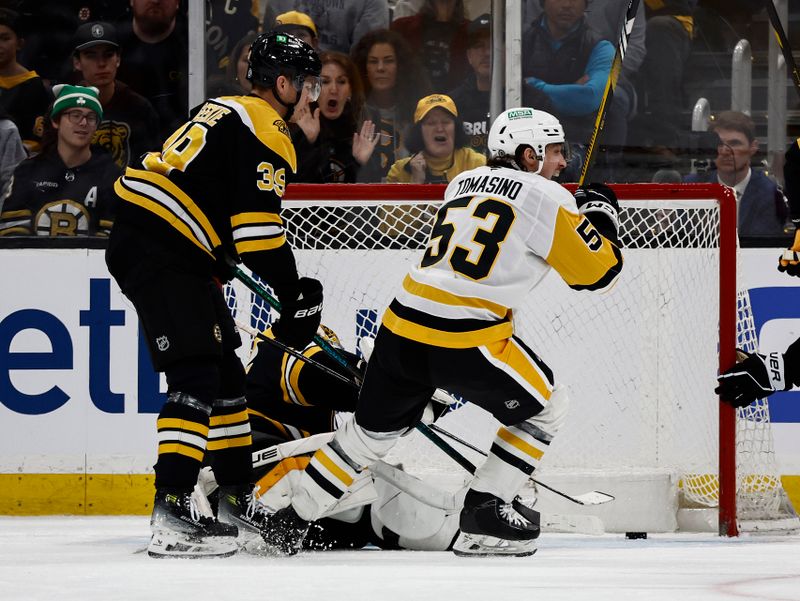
266,124
334,469
250,246
180,449
279,426
229,443
520,444
174,423
248,218
438,295
225,420
571,256
166,184
409,329
294,374
507,351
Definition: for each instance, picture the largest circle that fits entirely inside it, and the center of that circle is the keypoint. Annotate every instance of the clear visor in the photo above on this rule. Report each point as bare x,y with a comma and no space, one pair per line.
311,83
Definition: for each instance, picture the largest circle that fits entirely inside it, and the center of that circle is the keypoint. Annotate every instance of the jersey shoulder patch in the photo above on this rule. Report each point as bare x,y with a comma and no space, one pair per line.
265,124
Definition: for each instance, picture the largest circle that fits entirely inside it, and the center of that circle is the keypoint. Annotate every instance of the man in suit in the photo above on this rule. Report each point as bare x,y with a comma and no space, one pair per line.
761,206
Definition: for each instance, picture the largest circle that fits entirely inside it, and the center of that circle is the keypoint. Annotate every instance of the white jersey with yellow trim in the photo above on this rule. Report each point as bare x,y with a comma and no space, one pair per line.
497,234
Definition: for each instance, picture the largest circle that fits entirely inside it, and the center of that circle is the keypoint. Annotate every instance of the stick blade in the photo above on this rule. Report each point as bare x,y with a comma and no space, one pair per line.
594,497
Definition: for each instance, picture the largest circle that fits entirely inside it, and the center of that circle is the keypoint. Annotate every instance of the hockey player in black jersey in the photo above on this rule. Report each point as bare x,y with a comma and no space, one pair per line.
213,190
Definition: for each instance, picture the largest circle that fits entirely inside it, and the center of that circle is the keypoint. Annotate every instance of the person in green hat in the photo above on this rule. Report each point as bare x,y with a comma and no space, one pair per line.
65,190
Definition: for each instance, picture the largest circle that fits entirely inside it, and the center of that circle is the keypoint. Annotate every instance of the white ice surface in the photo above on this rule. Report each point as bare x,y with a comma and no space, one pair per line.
103,558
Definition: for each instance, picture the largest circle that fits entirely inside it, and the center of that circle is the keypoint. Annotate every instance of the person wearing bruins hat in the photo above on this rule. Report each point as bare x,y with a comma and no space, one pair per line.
437,143
67,189
298,24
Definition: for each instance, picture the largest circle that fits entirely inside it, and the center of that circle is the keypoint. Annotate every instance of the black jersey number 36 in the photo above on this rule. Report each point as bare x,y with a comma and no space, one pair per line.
489,239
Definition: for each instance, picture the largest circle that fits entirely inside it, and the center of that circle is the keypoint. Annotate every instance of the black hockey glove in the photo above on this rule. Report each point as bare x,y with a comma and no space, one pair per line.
753,377
600,206
225,262
300,317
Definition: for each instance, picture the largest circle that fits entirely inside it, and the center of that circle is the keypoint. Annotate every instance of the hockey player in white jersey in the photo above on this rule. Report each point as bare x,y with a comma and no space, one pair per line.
501,228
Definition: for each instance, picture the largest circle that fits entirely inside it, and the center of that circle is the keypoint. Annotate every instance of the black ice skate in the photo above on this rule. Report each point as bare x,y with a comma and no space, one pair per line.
489,526
285,531
241,508
181,529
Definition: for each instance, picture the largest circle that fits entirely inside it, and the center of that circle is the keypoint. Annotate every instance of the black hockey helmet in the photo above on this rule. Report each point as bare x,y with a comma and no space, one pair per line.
275,53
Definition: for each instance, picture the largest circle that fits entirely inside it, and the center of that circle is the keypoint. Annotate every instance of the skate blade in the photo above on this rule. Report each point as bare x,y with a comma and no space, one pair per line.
482,545
180,546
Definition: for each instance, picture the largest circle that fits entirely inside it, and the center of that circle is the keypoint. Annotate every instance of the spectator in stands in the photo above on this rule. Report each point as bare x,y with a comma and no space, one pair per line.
393,82
155,46
66,190
299,25
12,152
227,23
438,144
23,94
472,8
472,96
438,33
51,28
130,124
670,25
328,144
566,65
234,82
762,209
340,24
606,18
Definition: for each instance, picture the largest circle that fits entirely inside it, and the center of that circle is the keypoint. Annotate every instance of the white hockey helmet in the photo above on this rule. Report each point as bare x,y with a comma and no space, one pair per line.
524,126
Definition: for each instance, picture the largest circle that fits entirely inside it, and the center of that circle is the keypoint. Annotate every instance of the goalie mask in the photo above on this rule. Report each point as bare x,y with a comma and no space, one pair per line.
527,126
274,54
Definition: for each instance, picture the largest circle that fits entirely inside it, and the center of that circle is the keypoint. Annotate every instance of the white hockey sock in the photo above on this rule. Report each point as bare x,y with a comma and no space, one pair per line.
515,453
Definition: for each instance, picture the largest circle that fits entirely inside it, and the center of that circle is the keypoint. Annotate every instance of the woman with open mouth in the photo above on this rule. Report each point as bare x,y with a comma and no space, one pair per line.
438,144
329,143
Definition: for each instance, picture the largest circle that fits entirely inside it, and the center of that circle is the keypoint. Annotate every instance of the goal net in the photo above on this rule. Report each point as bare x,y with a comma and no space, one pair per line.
639,361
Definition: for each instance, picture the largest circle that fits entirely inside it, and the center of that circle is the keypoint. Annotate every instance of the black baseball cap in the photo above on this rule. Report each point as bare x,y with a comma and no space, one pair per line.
94,33
477,27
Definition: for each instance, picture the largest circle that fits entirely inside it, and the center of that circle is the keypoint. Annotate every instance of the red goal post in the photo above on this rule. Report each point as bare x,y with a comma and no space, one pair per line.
337,229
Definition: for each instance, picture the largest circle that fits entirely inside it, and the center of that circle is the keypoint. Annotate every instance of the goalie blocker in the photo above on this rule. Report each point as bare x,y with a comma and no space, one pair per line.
756,376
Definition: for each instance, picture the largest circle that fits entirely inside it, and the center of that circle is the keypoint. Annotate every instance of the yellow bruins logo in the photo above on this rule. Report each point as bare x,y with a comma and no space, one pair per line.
280,124
62,218
114,137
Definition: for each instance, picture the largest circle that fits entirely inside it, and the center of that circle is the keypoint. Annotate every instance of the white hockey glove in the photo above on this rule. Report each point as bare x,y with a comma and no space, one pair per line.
753,377
600,206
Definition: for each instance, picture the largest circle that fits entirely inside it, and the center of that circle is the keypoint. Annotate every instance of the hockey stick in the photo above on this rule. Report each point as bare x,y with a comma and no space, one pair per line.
783,44
273,302
611,84
594,497
296,354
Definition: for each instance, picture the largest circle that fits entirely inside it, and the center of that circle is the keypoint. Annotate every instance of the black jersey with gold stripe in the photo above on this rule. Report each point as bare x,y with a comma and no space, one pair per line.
218,182
289,398
48,198
497,234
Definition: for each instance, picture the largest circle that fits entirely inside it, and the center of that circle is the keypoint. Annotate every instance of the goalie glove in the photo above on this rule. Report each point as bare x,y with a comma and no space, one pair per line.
753,377
599,204
790,260
300,316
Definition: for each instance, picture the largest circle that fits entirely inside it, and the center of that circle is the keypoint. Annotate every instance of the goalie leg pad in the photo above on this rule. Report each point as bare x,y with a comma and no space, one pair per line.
517,450
336,465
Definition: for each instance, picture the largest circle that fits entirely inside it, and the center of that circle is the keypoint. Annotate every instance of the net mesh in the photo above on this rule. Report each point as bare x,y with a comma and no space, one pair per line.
639,361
